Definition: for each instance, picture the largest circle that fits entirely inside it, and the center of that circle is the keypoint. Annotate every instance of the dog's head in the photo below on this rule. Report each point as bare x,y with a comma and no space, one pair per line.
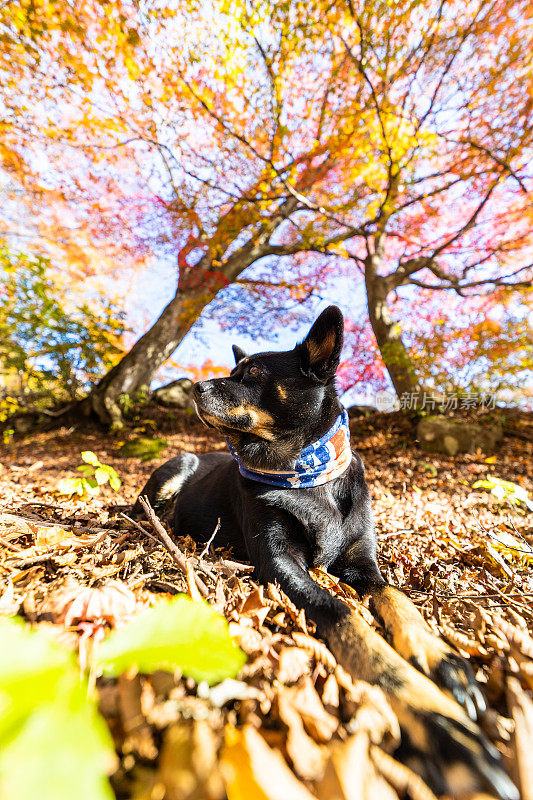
279,399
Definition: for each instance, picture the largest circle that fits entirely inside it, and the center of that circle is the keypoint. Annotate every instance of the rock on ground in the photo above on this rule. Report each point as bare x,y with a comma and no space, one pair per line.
176,394
443,435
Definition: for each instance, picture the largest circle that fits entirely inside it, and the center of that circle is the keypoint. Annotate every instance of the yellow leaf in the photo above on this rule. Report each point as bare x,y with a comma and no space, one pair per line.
252,769
50,535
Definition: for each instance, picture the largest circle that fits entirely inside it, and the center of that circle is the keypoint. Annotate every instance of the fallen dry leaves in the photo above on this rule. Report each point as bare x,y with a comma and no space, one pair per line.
294,724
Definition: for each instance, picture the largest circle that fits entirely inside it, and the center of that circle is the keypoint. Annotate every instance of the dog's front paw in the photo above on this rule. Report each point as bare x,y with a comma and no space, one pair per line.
439,740
432,656
453,756
454,674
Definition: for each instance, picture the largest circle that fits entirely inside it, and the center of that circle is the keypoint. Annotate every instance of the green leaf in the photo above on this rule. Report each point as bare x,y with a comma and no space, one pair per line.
101,476
114,481
90,486
106,473
34,671
90,458
68,485
429,468
505,490
24,653
177,634
53,744
85,469
62,751
143,447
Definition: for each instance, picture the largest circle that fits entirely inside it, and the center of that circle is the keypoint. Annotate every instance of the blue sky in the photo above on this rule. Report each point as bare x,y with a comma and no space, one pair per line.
155,286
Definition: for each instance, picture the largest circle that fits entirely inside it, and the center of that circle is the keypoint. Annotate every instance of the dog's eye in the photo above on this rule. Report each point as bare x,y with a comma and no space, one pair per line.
254,371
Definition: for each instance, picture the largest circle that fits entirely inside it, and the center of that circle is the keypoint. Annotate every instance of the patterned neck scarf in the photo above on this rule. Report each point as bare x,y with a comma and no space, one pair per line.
318,463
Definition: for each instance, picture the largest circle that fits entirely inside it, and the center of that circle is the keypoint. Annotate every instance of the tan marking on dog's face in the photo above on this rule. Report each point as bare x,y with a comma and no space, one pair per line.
262,422
282,392
238,411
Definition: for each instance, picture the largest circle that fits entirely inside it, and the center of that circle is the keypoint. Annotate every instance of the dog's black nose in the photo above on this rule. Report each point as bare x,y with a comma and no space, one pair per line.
201,386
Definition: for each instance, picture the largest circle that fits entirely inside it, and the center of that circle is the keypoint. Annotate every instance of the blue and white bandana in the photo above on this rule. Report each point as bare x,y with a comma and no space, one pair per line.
318,463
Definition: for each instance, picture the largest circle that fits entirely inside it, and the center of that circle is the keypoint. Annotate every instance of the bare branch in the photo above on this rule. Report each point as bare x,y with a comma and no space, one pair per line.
456,285
500,161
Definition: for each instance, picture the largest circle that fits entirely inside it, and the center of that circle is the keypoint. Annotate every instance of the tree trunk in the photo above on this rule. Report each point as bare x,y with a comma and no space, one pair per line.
135,370
388,333
198,285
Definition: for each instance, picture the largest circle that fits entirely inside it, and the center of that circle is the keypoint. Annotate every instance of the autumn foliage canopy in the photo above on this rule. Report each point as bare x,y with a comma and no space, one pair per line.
271,149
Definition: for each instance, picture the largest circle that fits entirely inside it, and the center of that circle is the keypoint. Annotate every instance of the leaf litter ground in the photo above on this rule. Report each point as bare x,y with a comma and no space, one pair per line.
293,724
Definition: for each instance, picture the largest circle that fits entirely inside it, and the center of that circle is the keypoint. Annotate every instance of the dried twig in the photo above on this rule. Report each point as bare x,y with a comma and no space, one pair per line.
139,528
457,596
10,546
172,547
210,540
33,519
392,534
231,567
33,561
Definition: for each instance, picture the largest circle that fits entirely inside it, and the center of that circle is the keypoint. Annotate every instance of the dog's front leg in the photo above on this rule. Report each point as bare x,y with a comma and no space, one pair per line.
446,747
411,636
409,633
278,558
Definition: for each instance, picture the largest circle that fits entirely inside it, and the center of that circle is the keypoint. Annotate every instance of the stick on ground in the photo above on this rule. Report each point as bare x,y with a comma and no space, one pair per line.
179,558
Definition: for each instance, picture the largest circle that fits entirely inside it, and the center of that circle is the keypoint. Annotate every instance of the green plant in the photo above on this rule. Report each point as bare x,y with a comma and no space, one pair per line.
51,348
177,633
506,490
125,401
7,436
94,475
9,406
138,398
428,468
53,742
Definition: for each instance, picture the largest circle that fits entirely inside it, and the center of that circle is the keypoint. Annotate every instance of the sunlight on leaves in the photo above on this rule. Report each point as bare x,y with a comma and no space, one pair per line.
94,475
506,490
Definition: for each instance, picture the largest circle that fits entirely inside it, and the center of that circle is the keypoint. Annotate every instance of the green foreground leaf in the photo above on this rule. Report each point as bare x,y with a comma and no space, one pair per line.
53,744
63,751
176,634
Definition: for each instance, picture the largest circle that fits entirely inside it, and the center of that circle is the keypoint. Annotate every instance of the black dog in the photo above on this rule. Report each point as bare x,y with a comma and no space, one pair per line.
276,409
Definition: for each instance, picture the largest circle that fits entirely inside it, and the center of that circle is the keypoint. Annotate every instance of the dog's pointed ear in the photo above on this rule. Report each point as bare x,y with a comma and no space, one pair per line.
238,353
321,349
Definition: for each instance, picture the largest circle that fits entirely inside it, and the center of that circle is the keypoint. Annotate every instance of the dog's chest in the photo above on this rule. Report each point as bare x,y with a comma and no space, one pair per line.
325,517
